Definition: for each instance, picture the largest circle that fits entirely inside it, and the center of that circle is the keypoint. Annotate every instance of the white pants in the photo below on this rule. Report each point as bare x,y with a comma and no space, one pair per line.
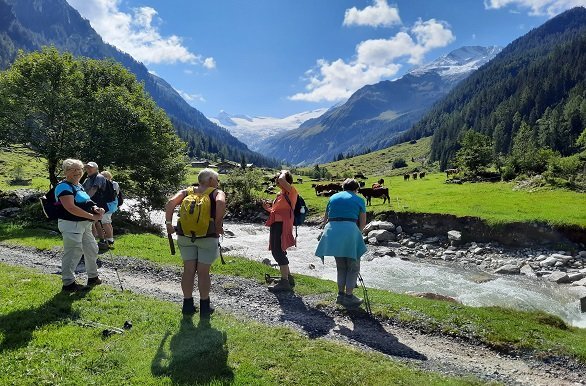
77,240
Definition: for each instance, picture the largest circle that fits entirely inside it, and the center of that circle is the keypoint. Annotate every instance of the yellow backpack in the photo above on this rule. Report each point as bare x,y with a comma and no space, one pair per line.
195,213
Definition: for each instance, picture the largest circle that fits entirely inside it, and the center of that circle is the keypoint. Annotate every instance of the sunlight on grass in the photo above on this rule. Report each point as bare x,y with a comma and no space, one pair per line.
47,337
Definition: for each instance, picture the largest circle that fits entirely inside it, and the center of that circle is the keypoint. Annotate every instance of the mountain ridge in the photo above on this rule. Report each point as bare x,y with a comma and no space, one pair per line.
375,114
31,24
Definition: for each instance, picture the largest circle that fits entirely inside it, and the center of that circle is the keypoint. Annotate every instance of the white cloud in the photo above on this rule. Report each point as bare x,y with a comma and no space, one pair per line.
136,33
189,98
377,15
536,7
375,60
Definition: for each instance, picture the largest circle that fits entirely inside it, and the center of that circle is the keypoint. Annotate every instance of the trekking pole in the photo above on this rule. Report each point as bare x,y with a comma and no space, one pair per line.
366,299
171,244
119,281
220,248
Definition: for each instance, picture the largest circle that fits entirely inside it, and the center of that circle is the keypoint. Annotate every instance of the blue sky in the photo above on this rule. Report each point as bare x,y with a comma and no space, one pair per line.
281,57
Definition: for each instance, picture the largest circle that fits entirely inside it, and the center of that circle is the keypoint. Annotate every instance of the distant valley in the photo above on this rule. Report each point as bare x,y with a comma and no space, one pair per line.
254,130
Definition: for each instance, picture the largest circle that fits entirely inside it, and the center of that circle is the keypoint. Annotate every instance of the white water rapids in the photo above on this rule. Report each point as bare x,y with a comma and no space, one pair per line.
394,274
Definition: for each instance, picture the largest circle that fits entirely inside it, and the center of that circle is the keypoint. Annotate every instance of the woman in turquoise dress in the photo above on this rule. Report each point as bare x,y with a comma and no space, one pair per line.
345,218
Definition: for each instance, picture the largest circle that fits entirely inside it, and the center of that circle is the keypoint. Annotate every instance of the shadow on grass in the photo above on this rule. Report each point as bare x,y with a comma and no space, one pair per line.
196,355
370,332
18,326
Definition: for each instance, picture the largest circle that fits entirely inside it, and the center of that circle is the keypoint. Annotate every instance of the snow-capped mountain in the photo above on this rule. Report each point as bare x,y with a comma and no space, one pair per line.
459,63
376,114
254,130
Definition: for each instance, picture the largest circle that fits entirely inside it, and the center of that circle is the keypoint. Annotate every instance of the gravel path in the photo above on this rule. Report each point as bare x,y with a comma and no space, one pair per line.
317,318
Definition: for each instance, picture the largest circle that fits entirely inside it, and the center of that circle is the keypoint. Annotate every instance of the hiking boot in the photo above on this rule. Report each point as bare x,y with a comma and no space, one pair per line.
188,307
351,301
281,286
205,308
340,299
291,281
102,246
73,287
92,281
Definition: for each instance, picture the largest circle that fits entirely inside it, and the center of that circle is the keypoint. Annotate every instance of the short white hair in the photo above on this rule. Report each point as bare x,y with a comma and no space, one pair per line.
107,174
70,163
206,174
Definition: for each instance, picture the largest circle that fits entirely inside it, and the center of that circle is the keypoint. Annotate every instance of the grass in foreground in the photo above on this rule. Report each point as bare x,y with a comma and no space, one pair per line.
48,337
497,327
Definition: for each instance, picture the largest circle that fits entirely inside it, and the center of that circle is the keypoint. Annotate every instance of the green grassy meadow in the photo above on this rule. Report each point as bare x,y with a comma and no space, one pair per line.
31,167
48,337
494,202
505,329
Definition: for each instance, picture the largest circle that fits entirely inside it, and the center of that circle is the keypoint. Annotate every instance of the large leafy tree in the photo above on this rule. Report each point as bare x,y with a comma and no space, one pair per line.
475,153
65,107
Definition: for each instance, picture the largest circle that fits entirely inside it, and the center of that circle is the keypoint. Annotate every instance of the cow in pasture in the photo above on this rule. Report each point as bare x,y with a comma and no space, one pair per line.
361,184
368,193
421,175
406,176
450,172
325,187
360,175
300,180
327,193
414,175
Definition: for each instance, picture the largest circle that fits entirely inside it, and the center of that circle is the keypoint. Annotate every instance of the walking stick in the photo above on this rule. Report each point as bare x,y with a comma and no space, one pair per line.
366,299
171,244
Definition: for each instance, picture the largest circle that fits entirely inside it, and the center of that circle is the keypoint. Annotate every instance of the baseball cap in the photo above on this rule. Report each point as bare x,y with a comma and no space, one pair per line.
92,164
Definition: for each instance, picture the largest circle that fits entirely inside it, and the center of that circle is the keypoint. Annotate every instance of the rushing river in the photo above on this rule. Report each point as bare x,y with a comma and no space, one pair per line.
394,274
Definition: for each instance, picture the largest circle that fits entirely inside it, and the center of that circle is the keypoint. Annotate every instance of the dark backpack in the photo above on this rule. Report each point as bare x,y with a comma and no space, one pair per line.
52,207
105,196
120,197
300,210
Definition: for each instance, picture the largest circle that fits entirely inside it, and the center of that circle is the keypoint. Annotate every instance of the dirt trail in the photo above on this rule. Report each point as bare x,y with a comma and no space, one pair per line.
316,318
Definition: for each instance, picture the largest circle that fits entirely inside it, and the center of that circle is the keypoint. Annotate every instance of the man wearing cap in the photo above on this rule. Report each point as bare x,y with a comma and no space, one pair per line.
93,183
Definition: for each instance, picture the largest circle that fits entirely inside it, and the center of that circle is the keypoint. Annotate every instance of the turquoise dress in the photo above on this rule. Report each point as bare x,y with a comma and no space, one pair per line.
343,238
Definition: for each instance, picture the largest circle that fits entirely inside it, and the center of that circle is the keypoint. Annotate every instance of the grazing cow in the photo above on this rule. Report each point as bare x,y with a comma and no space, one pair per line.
450,172
414,175
300,180
325,187
360,175
327,193
421,175
406,176
361,184
368,193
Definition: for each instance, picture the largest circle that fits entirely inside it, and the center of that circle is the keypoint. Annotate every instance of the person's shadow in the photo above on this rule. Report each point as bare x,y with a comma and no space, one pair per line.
370,332
18,326
196,355
314,322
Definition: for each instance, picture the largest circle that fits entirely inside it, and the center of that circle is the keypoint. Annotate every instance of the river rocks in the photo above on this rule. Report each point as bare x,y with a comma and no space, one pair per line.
455,236
18,198
381,235
556,266
548,262
508,269
582,254
558,277
431,295
576,276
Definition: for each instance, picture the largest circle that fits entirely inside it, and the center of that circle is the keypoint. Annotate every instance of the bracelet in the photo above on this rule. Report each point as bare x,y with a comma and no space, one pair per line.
168,222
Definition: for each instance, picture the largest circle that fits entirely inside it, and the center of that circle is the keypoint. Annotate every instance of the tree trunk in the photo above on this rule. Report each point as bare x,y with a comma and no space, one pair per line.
51,166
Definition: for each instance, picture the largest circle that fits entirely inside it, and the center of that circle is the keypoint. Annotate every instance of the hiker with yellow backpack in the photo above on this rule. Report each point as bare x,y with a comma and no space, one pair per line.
200,224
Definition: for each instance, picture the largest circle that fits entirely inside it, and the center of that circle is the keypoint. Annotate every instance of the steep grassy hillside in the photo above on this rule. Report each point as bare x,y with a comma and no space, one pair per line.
380,162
